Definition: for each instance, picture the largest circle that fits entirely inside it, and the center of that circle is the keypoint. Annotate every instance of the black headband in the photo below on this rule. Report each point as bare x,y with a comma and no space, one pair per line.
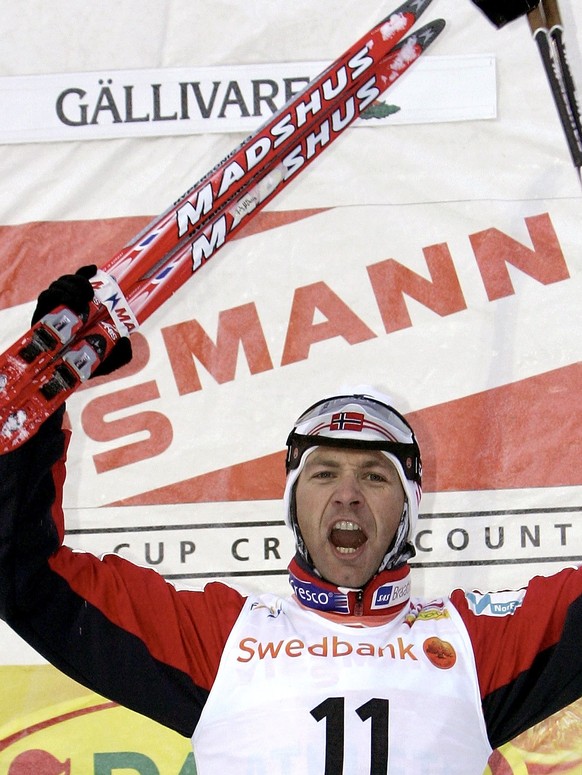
408,455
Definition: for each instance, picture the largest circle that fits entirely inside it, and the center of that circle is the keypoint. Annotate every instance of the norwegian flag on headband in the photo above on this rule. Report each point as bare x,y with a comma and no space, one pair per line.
347,421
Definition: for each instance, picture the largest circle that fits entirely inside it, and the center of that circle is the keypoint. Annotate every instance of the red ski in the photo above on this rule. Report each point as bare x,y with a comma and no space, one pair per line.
173,227
41,370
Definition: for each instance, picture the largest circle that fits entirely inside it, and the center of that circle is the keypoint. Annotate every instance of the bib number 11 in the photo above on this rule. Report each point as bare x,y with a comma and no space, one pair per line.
332,711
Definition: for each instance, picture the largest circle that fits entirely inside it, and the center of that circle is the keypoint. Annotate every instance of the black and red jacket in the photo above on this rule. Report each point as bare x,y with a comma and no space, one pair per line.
126,633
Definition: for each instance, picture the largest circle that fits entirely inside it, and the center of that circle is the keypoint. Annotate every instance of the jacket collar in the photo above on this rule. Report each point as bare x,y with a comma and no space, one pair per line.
385,594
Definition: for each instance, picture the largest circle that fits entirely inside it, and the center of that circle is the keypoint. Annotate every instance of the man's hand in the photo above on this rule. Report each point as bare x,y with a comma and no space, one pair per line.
75,292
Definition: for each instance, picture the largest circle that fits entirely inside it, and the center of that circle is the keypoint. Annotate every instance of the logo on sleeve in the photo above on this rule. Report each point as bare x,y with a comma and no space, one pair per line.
495,603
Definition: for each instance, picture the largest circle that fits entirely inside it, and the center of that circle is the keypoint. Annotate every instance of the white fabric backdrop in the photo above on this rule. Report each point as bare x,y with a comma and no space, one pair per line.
384,193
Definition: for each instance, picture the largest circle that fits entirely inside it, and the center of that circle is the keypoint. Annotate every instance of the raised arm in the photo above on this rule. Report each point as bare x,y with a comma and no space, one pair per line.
527,650
119,629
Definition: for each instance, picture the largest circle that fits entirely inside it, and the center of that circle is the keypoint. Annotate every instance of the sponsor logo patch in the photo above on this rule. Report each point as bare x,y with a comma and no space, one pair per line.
495,603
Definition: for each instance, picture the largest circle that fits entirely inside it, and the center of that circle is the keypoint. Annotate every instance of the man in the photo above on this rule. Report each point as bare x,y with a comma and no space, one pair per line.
349,674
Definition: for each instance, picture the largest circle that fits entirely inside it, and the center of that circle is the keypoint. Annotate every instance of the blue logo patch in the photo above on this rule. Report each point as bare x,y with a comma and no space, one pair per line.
495,603
389,595
384,595
319,598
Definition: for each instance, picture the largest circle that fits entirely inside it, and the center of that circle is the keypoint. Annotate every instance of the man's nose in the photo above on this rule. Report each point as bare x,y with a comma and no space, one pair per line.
348,490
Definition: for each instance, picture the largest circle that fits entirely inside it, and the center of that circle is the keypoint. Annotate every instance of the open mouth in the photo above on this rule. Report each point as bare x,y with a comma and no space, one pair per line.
347,537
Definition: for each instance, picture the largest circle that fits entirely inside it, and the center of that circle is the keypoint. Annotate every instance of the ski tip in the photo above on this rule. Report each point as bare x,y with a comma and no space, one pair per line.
425,35
414,7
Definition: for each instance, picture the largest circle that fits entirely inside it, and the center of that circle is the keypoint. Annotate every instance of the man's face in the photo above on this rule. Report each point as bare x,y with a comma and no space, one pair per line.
349,504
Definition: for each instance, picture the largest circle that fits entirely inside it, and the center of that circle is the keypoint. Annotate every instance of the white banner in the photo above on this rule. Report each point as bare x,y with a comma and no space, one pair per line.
186,101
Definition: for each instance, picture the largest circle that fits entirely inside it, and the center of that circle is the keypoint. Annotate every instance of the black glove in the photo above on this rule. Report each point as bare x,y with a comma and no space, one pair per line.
71,290
121,354
501,12
75,292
